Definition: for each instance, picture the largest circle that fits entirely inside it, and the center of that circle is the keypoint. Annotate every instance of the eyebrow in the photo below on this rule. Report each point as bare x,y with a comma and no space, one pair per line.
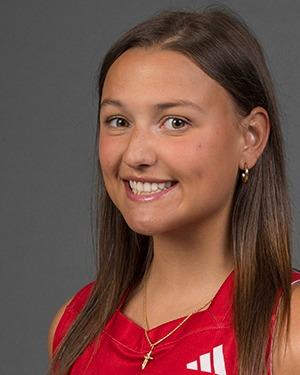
158,107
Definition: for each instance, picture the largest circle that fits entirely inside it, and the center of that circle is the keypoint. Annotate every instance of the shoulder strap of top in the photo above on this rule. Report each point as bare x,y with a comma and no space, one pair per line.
295,277
80,298
70,314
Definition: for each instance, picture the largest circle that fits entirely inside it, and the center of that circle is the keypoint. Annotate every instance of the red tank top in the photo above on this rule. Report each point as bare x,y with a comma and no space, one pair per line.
204,344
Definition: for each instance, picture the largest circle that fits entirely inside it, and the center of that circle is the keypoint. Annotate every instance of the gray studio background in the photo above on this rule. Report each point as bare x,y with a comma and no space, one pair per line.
49,57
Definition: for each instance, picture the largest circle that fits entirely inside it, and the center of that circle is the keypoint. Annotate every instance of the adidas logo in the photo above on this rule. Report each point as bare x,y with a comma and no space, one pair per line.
206,363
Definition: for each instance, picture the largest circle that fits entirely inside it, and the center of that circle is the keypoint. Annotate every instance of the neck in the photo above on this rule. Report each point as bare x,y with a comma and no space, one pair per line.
189,260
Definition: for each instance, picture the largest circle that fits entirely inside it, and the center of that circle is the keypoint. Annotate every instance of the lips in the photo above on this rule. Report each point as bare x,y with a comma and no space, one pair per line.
147,196
147,187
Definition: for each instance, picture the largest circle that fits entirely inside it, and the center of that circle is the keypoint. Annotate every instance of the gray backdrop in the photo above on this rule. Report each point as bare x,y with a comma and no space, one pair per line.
50,52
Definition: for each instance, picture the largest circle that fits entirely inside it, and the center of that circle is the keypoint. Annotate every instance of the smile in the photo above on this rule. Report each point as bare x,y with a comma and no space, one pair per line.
139,187
148,191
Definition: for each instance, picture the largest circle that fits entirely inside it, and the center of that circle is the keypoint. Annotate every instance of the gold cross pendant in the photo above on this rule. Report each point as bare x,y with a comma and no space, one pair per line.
147,358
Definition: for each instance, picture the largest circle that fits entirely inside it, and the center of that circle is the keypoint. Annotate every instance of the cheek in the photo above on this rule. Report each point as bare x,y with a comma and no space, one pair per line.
107,154
224,161
187,158
215,160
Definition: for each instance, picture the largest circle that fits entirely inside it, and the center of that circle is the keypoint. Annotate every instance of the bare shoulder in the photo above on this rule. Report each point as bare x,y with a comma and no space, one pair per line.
286,354
54,325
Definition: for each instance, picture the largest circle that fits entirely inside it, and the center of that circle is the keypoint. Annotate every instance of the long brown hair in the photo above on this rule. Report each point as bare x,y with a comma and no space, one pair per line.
224,48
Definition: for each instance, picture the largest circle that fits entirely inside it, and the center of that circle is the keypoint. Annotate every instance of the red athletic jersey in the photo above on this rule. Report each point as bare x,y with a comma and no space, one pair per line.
204,344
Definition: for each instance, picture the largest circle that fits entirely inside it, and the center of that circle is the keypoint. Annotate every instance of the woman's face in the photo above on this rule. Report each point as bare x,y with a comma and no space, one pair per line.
164,122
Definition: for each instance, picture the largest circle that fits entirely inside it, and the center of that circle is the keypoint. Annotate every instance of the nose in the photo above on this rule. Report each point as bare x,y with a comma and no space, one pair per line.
140,151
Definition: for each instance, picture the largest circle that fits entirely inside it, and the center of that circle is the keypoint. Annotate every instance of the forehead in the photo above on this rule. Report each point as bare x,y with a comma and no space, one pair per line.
151,72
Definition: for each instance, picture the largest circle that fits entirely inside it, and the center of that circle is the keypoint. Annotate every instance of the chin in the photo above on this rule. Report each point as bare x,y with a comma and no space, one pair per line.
145,230
149,228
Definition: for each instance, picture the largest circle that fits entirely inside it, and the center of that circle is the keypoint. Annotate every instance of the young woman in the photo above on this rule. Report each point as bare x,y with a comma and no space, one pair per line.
194,270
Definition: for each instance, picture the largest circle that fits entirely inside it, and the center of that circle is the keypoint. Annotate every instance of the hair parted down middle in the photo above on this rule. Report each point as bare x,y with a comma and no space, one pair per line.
225,49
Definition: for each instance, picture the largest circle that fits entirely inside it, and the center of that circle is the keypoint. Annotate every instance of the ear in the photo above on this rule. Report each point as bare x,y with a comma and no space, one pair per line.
256,130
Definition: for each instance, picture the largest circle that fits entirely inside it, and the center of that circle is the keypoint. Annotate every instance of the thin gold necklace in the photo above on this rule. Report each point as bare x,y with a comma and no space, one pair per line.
148,357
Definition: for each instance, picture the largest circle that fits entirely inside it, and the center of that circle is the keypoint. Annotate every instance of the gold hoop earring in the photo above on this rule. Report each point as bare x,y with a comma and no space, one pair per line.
245,174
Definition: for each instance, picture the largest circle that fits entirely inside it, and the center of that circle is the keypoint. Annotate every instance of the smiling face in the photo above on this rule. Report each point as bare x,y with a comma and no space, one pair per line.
163,120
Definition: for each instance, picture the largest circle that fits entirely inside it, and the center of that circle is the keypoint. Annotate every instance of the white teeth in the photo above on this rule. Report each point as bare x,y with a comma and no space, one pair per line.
139,187
147,187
